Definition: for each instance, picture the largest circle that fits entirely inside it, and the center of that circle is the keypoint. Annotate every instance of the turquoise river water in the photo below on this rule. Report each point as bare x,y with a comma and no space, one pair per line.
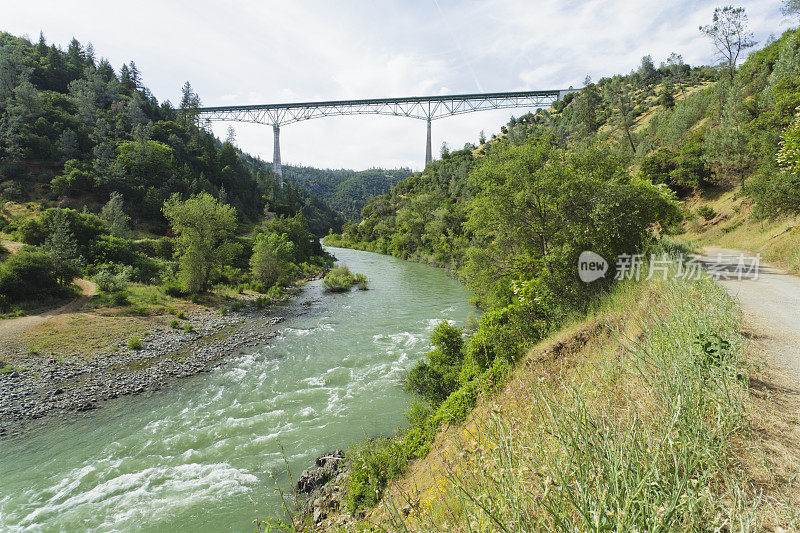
192,456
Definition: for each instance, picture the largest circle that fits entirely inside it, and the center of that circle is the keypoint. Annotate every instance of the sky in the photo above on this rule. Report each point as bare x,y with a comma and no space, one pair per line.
256,52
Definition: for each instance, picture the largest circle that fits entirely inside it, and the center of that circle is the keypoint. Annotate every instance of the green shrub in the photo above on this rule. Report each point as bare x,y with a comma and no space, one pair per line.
456,407
261,302
119,298
775,193
182,315
238,305
361,281
339,279
436,377
135,343
77,178
174,324
671,247
188,328
706,212
373,464
28,275
275,292
109,281
140,310
162,248
172,288
683,170
31,232
271,259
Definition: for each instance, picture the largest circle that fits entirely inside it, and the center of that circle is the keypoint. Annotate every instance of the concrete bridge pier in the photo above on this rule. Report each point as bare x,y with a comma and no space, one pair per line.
276,154
428,155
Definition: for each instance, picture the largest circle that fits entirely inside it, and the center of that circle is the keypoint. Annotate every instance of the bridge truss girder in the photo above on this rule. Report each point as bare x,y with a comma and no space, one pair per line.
426,108
422,109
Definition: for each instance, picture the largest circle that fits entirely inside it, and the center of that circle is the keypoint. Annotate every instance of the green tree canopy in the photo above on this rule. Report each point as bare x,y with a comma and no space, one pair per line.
540,206
114,215
272,256
205,229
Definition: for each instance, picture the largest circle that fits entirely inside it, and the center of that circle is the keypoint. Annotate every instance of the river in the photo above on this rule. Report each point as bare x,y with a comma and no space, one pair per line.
191,457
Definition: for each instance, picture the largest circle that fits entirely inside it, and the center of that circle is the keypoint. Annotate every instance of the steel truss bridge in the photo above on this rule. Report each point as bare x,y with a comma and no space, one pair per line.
426,108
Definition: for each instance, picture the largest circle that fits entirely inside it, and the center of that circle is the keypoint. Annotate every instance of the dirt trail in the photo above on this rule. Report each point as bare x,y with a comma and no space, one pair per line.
11,246
12,329
771,305
770,456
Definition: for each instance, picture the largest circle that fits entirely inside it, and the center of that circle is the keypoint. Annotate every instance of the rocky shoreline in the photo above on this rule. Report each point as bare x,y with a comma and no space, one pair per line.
320,492
50,386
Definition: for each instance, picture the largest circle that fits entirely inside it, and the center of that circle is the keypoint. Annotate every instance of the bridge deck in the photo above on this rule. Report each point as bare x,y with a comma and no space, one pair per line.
401,100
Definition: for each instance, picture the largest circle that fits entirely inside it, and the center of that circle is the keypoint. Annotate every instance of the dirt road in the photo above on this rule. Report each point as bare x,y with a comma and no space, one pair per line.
770,456
771,305
12,329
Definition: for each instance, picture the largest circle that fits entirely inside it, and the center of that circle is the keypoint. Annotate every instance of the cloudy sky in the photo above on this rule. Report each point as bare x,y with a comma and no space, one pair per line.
249,52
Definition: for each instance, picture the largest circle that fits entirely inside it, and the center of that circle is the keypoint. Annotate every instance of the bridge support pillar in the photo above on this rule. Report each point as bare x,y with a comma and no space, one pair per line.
428,155
276,154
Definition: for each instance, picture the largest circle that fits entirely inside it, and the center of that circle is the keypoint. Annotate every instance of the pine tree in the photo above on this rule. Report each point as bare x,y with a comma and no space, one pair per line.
190,102
60,245
125,78
585,108
620,96
76,56
105,71
41,48
68,144
647,71
114,214
666,98
90,56
136,78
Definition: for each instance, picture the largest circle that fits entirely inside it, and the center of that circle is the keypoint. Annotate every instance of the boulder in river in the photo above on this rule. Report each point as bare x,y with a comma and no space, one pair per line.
319,490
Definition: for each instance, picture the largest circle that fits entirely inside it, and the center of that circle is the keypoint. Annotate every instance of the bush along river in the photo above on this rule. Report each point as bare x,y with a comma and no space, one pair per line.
193,455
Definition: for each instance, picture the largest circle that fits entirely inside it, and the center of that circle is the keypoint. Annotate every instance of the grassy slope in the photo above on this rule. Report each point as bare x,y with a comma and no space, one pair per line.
734,227
613,412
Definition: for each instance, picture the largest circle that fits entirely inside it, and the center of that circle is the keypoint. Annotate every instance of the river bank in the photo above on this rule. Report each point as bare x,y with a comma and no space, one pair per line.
202,450
47,384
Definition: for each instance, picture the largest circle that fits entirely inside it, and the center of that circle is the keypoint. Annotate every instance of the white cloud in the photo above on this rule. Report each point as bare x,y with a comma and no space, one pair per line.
255,51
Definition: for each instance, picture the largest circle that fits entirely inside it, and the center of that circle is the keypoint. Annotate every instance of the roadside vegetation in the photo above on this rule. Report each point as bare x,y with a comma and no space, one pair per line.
627,421
635,432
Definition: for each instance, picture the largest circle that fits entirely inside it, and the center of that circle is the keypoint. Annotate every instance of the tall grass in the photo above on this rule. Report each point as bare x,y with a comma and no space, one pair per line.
636,440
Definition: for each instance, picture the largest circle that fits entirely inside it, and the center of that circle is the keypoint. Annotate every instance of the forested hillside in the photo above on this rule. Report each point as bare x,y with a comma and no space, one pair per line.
73,131
604,170
346,191
98,179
